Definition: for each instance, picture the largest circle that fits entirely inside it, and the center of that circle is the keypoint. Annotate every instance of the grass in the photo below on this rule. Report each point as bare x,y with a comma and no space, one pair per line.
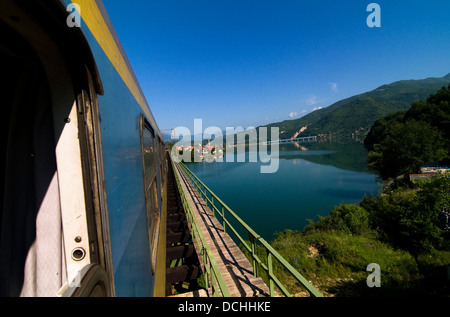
336,262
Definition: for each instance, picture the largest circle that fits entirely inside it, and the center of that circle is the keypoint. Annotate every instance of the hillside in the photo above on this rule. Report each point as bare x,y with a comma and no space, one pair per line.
402,142
356,114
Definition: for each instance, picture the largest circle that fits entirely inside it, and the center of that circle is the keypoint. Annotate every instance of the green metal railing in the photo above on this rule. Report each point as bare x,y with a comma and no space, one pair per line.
225,214
212,275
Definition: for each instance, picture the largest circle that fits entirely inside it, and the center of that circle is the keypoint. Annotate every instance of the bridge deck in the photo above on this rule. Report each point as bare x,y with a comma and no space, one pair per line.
234,266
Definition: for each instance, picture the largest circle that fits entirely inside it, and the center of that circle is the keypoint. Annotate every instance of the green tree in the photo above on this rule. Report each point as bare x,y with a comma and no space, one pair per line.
347,218
401,142
378,130
409,219
406,147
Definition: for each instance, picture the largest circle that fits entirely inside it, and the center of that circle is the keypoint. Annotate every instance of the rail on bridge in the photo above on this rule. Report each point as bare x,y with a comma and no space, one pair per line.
226,269
302,139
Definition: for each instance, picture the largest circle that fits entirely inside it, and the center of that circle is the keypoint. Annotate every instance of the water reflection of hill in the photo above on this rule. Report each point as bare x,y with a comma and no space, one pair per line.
347,155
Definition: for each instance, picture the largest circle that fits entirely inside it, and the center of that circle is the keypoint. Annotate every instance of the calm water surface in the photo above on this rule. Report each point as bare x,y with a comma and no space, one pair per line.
311,179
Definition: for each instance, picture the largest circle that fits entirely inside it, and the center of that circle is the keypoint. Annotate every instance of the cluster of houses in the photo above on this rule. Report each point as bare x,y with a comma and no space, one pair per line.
430,170
205,149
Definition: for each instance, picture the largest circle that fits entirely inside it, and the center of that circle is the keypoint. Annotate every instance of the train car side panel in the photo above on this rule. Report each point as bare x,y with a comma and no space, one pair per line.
120,116
133,228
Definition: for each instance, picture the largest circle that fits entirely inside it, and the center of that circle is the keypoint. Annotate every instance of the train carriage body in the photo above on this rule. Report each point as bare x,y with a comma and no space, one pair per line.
85,166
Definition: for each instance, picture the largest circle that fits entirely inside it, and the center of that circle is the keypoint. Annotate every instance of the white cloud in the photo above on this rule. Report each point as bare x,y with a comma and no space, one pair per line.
311,100
293,114
316,108
334,87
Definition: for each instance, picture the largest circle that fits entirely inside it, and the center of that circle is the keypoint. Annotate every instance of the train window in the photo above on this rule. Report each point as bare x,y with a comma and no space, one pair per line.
161,160
150,183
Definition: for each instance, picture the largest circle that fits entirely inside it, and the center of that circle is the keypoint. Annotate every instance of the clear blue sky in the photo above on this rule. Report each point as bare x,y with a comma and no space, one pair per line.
252,62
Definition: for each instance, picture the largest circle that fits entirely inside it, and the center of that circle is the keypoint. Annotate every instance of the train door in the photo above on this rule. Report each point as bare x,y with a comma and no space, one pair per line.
53,223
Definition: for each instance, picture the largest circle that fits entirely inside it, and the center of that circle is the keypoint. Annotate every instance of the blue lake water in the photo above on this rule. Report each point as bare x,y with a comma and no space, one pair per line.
311,179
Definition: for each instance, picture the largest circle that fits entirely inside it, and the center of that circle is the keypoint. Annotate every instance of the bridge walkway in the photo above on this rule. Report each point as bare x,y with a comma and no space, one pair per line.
233,264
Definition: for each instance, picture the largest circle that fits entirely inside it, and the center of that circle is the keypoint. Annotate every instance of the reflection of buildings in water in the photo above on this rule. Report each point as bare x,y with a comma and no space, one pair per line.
300,161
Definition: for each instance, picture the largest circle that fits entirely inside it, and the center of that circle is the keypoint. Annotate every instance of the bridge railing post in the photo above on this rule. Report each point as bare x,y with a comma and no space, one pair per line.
270,273
206,264
253,252
224,223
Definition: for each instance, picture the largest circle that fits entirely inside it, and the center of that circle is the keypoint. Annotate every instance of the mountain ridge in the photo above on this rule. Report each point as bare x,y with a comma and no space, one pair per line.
356,114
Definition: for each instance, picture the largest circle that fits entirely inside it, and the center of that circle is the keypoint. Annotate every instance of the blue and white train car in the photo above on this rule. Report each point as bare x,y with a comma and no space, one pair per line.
84,174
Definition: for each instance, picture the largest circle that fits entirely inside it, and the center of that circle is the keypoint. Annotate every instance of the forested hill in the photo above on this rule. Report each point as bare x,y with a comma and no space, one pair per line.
357,114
